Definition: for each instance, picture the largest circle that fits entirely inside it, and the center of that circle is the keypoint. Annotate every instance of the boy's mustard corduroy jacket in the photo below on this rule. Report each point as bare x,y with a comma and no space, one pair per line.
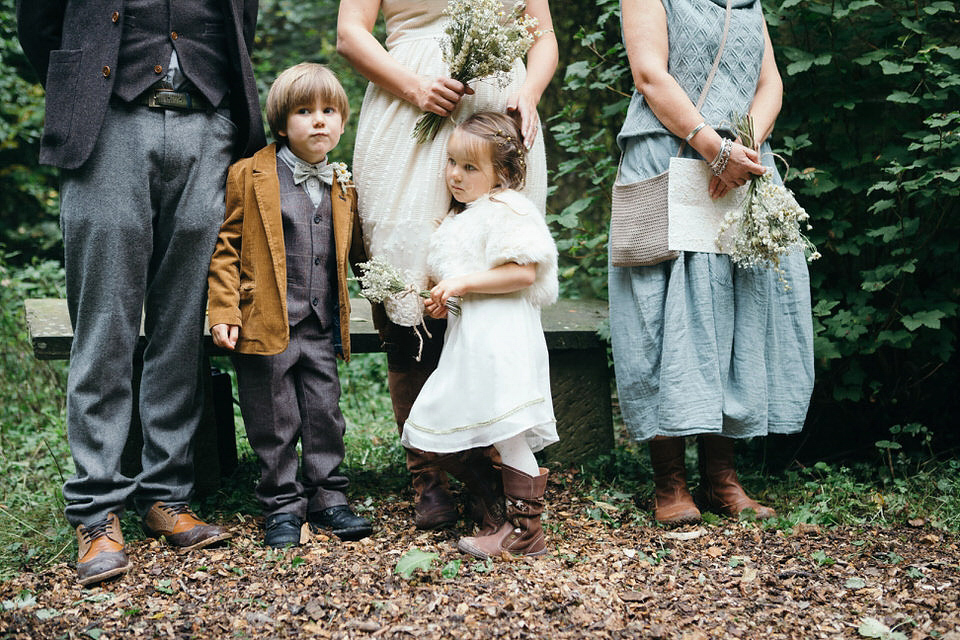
248,272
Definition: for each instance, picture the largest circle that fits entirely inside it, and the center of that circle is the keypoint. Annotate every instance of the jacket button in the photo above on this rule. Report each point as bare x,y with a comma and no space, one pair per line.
315,301
316,261
115,17
158,69
106,72
174,35
316,219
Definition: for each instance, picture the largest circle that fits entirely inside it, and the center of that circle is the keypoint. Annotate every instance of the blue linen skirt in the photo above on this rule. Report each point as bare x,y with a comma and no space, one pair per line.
702,346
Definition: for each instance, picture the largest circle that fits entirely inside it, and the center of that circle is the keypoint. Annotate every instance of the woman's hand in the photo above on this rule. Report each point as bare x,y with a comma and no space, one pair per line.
440,95
356,43
526,105
225,335
744,163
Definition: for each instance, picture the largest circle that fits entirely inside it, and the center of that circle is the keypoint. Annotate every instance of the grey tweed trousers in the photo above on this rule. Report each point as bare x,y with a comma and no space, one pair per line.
139,220
294,397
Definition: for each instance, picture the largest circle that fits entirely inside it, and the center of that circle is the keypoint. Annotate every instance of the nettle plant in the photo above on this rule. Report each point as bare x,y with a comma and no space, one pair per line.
870,128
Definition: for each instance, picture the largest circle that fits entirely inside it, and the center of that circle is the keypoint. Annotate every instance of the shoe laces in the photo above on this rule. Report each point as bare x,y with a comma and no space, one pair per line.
96,530
176,509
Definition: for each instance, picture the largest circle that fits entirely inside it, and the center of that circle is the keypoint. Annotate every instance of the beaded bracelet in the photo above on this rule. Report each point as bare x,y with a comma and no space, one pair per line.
723,156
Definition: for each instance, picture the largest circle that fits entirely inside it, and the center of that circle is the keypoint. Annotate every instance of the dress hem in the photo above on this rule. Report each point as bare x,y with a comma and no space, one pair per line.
488,442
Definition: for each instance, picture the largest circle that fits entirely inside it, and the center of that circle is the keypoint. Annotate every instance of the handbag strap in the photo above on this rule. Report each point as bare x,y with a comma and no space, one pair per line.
716,65
709,81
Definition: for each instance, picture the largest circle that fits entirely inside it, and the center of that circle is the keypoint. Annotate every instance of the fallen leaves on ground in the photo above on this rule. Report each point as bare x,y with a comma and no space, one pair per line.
603,579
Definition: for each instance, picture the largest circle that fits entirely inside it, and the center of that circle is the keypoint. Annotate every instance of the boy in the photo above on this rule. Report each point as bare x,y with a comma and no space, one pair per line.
278,299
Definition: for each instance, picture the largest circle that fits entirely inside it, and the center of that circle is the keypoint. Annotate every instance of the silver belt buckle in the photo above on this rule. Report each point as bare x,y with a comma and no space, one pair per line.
165,98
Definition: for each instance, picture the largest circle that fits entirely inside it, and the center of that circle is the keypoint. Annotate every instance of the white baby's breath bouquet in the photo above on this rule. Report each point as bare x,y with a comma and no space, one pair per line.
379,280
481,40
767,224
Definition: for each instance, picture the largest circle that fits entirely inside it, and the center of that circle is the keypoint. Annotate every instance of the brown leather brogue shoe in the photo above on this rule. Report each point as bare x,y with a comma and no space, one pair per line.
101,554
181,527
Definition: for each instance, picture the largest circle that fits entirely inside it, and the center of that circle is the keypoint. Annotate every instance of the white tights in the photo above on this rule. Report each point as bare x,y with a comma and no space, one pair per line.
516,453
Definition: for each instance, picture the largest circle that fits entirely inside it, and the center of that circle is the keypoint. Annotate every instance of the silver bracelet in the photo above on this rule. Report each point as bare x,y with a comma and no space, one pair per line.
695,131
723,156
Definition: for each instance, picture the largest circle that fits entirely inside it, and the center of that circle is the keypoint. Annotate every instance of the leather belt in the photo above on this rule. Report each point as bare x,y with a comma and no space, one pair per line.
170,99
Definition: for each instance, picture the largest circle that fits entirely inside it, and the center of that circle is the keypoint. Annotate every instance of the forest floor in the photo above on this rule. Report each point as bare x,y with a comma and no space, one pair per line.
605,577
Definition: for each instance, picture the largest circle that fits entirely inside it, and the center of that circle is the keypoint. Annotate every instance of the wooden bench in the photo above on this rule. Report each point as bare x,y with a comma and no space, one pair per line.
579,377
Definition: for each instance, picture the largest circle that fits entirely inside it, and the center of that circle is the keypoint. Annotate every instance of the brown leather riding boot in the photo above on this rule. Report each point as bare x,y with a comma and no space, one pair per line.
434,507
720,489
521,534
479,471
101,553
672,502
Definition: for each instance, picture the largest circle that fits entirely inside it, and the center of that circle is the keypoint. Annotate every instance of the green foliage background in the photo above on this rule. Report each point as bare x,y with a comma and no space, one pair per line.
870,124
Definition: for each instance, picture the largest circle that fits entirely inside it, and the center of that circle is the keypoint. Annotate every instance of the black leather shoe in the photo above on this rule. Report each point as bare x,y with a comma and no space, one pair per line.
342,521
283,530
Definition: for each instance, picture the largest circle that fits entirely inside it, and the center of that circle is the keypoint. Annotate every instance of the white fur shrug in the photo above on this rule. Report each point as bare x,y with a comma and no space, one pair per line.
493,230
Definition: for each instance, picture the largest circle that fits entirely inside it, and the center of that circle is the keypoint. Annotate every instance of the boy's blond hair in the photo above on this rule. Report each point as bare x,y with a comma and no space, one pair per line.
302,84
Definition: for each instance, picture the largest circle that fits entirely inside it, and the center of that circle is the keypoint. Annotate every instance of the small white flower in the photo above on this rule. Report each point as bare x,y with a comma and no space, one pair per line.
344,177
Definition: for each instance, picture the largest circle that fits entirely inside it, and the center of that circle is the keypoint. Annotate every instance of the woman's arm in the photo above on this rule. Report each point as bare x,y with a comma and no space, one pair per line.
769,95
645,34
505,278
541,64
356,43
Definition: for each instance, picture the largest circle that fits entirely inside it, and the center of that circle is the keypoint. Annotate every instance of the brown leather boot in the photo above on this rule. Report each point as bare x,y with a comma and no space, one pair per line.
181,527
720,489
434,507
101,555
479,470
521,534
672,502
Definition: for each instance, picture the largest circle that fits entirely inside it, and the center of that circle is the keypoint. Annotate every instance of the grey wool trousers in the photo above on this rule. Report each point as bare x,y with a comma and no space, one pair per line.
139,220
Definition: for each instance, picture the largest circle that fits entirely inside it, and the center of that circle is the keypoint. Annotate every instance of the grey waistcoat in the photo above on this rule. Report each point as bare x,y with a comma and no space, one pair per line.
151,31
310,253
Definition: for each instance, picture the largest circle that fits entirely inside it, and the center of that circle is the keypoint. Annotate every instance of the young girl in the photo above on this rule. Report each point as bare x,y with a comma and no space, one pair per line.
494,252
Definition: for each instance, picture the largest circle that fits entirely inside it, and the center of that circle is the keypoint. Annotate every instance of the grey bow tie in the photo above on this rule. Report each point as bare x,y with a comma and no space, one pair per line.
303,170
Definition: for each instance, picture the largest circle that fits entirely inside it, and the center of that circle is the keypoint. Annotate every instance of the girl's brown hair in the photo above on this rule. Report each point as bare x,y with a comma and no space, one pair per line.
501,138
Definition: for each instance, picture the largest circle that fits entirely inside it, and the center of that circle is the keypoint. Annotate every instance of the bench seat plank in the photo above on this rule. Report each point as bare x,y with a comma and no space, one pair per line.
579,371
